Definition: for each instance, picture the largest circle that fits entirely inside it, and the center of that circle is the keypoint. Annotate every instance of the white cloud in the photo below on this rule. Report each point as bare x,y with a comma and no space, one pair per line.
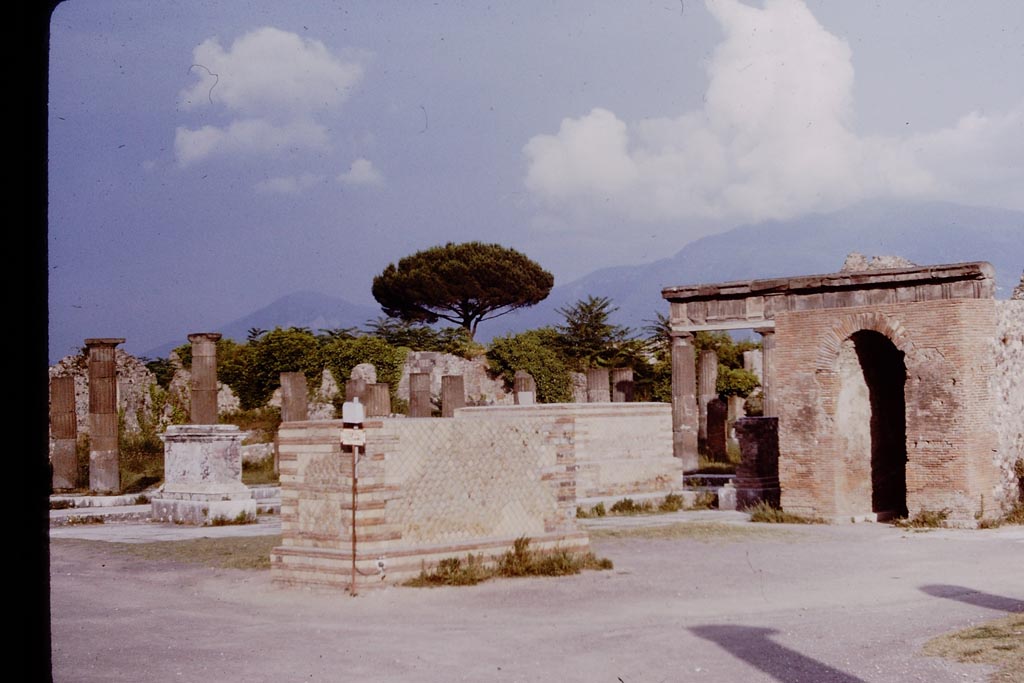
289,184
248,136
275,84
269,72
774,138
361,172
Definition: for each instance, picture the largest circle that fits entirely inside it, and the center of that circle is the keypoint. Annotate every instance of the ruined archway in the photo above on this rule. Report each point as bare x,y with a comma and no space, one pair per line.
871,426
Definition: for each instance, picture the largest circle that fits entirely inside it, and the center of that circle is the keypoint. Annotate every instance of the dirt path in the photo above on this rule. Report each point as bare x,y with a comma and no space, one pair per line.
816,604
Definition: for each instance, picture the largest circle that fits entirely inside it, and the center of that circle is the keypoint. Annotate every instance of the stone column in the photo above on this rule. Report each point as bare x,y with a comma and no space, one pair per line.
453,394
523,382
597,386
684,401
419,394
707,379
104,473
294,397
717,418
64,430
768,372
204,378
622,385
378,399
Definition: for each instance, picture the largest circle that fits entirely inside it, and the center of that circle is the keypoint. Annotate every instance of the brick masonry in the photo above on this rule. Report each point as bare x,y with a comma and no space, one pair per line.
952,448
426,489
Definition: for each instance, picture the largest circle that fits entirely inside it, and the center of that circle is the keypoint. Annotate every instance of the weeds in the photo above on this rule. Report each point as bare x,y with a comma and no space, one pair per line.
241,518
1014,516
85,519
520,561
766,513
259,472
673,502
925,519
997,643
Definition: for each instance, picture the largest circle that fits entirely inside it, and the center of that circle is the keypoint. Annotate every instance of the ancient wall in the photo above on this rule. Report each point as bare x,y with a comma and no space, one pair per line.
950,411
1008,390
428,489
621,448
481,388
133,382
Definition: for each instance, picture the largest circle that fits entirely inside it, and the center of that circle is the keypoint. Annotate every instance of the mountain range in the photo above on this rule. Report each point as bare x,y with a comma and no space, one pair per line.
926,233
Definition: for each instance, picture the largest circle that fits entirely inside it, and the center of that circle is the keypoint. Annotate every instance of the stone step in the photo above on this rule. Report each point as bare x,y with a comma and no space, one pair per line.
79,509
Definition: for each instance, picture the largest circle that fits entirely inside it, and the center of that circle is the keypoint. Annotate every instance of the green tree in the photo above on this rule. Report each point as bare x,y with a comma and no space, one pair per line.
462,283
534,351
253,370
588,339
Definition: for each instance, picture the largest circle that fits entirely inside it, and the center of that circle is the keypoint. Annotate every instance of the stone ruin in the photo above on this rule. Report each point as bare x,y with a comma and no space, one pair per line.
896,389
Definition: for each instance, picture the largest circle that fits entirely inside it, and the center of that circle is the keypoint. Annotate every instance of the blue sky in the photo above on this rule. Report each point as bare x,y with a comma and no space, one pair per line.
208,158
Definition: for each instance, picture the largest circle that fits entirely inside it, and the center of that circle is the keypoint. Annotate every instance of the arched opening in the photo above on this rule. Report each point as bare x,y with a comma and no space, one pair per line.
871,423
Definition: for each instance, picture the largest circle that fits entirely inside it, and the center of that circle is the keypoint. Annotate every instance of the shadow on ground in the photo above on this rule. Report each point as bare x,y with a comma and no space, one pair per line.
755,646
973,597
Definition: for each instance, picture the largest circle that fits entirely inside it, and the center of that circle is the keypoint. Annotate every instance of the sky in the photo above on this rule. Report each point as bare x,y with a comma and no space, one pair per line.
206,158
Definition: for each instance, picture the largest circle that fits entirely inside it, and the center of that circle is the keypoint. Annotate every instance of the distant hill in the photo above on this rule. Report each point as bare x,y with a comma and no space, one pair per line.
924,232
300,309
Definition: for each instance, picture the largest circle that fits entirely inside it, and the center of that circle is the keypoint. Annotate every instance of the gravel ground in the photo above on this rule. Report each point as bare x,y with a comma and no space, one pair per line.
784,603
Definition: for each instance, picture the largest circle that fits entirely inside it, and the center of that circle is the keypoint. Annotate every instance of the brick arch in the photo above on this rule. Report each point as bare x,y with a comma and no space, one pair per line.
848,325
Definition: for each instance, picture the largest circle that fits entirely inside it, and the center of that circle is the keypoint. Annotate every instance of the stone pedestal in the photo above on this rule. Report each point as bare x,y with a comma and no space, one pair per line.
104,471
64,431
203,476
757,475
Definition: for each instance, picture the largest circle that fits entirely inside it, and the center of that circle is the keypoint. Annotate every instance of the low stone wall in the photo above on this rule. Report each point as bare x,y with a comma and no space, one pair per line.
621,448
426,489
1008,390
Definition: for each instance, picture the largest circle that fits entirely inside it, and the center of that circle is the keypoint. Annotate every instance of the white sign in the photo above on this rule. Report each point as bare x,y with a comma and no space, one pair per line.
353,437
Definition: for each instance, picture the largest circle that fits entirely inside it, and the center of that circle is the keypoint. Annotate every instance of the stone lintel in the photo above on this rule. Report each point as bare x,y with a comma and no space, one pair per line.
812,284
759,324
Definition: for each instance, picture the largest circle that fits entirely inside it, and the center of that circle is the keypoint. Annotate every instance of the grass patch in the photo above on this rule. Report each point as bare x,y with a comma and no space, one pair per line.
248,552
85,519
925,519
520,561
998,643
240,518
704,532
766,513
262,423
673,502
260,472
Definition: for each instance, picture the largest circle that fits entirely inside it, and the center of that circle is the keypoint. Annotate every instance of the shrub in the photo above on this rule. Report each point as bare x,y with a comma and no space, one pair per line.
769,514
341,355
925,519
534,351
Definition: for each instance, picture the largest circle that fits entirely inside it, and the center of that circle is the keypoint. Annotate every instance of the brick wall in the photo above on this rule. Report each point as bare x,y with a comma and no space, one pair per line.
620,448
950,407
427,489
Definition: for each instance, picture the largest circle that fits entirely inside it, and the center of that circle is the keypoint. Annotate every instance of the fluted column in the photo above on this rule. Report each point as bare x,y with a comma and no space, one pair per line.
204,378
104,473
684,400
